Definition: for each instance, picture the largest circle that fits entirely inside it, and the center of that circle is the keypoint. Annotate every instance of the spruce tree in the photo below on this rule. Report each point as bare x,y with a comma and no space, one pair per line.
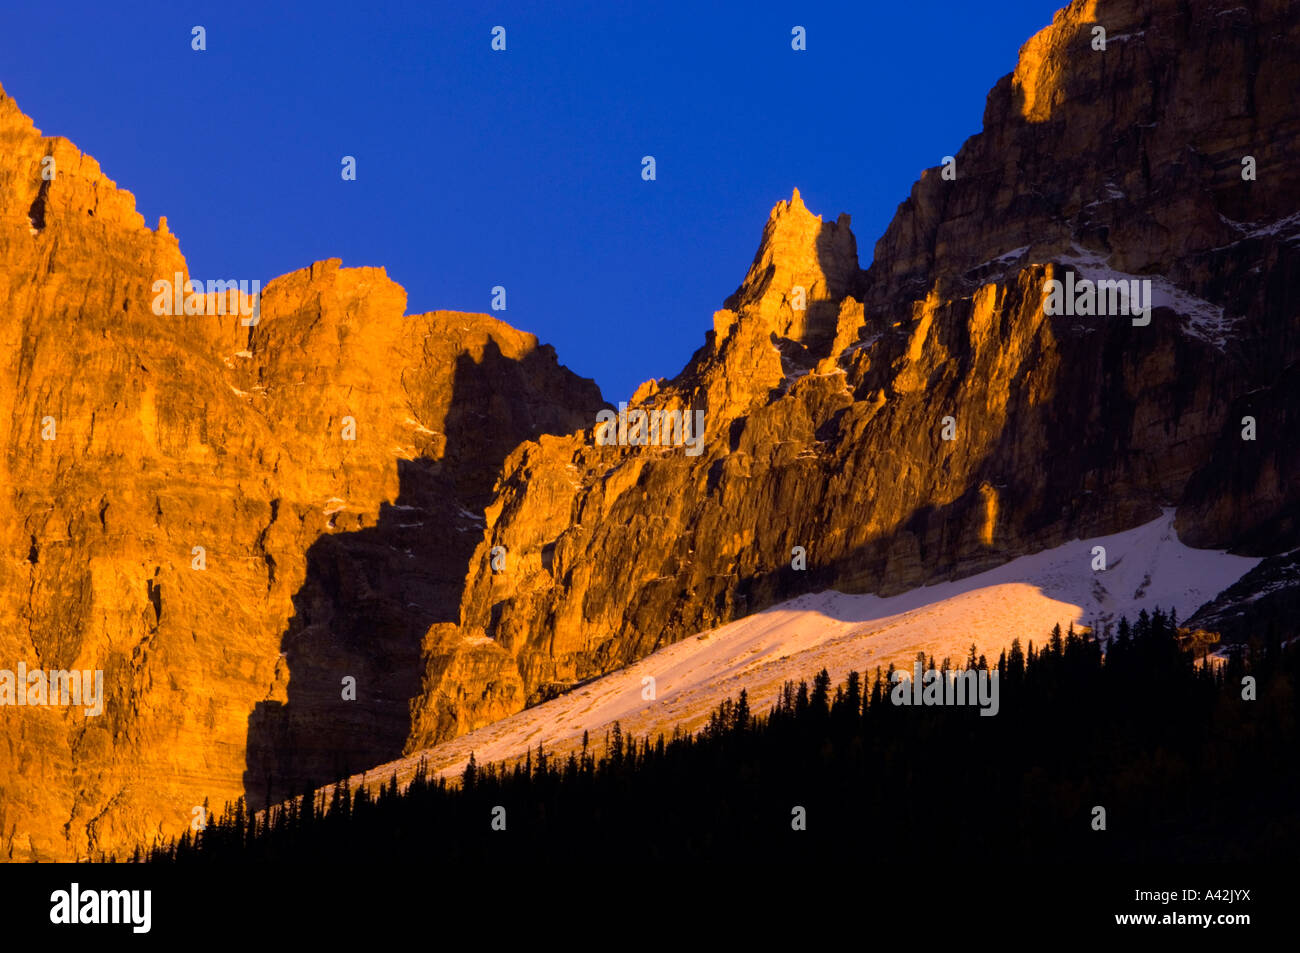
853,694
821,692
740,714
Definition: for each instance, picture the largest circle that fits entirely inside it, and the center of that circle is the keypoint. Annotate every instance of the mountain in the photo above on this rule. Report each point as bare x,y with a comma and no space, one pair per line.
318,557
233,518
825,428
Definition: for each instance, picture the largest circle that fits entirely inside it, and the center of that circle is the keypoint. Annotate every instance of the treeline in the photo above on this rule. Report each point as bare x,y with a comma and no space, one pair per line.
1188,762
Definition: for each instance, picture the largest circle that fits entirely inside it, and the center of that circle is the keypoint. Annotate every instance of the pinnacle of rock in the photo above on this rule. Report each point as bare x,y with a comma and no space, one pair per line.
803,268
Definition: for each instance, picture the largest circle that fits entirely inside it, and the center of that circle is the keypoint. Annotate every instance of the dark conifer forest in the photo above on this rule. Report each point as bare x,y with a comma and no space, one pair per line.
1190,762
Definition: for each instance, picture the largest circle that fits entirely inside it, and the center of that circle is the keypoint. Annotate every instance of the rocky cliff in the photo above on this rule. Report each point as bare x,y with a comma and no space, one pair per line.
226,518
927,418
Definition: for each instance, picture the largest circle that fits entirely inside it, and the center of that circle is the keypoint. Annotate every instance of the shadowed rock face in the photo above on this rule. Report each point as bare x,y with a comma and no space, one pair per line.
323,557
370,593
825,427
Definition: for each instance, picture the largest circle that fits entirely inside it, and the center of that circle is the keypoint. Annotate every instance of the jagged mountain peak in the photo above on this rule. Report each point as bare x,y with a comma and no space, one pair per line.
798,308
930,420
803,268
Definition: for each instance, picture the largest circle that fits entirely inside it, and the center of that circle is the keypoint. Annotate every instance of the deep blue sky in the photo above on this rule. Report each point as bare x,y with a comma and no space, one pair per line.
520,168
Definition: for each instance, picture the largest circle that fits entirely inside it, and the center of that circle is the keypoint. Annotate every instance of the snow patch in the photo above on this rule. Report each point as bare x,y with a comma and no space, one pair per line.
1148,568
1005,258
861,345
1288,227
469,515
1204,319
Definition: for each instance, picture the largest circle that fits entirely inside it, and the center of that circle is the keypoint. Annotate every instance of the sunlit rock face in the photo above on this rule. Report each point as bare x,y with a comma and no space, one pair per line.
183,509
803,270
826,427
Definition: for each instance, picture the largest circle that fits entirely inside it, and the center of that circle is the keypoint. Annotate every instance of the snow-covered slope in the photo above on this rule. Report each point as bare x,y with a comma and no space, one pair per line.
1146,567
